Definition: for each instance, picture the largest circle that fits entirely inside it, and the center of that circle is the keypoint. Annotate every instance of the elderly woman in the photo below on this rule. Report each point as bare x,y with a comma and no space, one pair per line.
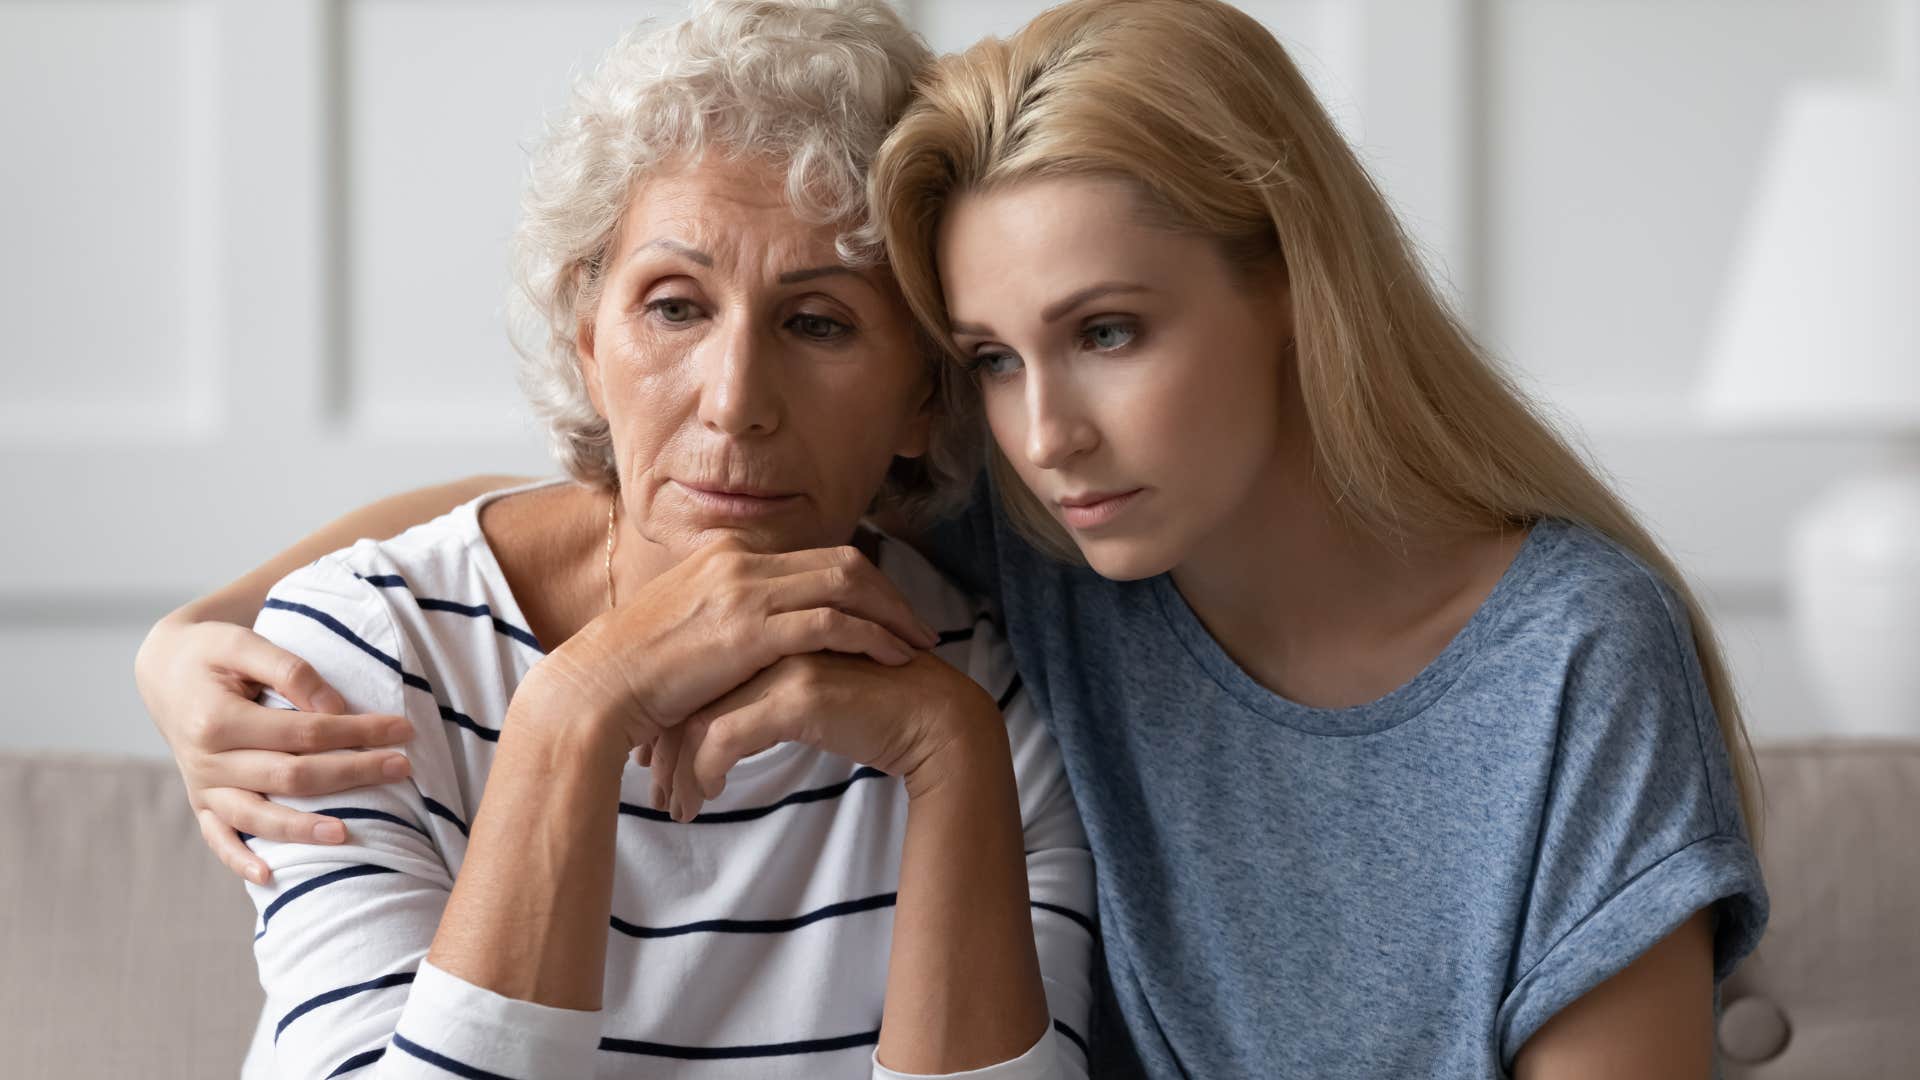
889,876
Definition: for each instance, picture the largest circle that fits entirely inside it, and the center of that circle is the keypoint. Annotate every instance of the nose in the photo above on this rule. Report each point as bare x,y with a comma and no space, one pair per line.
1057,427
739,391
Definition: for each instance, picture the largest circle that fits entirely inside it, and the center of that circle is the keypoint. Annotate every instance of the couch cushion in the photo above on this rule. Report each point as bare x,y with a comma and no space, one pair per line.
1833,991
128,947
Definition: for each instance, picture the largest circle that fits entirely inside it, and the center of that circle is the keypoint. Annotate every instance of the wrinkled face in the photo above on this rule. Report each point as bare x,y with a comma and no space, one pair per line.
1131,376
755,386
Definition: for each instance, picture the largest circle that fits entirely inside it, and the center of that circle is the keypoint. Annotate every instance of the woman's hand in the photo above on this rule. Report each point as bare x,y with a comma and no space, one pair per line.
199,679
899,720
712,623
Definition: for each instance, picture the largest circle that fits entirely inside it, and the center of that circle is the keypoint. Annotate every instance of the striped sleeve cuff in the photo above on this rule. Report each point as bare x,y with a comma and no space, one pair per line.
1038,1063
466,1030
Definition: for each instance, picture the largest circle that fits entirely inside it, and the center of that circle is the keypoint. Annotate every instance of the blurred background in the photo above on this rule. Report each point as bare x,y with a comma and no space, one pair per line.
256,265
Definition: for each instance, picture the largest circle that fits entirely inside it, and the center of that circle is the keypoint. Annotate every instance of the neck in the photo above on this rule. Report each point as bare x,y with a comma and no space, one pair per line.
552,545
1318,608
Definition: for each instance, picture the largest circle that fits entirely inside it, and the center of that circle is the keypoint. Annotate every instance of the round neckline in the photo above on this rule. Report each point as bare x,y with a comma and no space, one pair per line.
1396,706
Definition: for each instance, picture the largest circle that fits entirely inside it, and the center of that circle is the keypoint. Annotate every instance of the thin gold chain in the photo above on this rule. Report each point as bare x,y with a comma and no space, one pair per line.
613,502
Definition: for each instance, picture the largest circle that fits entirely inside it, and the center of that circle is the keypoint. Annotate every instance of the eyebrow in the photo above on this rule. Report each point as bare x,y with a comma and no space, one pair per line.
811,272
676,247
790,277
1052,312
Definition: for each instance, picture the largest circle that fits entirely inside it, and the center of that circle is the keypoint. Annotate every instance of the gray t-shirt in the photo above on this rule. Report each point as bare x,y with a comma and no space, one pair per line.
1406,888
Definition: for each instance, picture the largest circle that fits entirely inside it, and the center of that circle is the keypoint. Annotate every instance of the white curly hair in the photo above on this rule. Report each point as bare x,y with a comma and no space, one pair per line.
810,85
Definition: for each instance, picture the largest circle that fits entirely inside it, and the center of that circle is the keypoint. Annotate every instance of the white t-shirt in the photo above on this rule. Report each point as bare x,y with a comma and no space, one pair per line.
752,941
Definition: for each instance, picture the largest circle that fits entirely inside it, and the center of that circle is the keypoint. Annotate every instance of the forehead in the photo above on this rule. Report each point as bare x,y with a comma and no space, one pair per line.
1068,219
734,210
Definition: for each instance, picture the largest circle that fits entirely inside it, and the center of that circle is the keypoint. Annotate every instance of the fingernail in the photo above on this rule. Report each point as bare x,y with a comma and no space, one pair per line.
396,768
399,731
329,832
257,875
929,635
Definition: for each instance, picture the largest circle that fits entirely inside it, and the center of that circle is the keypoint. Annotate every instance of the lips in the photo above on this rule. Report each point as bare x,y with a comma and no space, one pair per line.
727,501
1092,509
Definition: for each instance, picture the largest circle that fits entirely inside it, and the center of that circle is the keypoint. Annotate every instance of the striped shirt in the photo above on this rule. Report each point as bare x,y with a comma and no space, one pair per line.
752,941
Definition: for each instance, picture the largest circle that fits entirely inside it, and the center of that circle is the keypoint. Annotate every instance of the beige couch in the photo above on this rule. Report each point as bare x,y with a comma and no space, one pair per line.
125,948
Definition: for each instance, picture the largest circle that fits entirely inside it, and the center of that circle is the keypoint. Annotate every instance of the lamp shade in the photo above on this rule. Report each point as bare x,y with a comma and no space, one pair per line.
1820,327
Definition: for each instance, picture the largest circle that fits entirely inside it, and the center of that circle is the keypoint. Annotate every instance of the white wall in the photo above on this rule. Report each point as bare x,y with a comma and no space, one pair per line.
256,261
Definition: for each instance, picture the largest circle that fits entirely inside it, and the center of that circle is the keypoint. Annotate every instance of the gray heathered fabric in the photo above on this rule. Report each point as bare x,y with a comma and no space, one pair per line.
1406,888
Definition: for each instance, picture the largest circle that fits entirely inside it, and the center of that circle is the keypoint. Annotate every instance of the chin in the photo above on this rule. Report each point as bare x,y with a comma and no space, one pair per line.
683,538
1126,560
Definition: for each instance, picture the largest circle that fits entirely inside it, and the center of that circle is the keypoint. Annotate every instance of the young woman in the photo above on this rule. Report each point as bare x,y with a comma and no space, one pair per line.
1401,747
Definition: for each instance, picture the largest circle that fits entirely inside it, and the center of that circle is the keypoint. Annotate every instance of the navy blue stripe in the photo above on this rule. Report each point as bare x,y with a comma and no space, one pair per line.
482,611
720,1053
306,887
358,1061
757,926
350,813
465,721
1084,922
948,637
722,817
1071,1034
398,978
340,628
395,581
438,810
1012,689
457,1068
406,677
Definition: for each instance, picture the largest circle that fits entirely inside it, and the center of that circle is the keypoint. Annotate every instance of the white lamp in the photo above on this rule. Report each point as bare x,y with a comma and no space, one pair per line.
1820,333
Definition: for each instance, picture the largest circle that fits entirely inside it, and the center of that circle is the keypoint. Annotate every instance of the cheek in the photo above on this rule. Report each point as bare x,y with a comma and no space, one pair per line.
645,393
1208,421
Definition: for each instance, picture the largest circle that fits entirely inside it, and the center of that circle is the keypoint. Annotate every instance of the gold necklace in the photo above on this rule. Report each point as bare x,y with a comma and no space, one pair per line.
613,502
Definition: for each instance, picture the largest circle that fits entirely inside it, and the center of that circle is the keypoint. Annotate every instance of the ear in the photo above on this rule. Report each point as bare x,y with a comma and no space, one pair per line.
583,346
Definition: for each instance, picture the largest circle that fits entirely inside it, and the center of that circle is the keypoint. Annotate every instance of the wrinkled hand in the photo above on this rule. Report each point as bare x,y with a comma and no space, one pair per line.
710,624
895,719
199,681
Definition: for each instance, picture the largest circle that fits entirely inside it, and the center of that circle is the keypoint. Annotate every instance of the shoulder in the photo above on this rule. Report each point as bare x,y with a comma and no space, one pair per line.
1609,613
363,595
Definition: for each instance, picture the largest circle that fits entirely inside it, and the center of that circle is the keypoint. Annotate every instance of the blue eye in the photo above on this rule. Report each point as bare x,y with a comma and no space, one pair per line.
997,365
1109,335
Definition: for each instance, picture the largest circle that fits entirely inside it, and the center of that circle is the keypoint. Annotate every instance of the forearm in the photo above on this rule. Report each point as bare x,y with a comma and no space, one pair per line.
963,982
239,600
529,911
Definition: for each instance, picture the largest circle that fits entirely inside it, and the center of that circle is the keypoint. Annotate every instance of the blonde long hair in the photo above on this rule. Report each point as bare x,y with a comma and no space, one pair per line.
1416,431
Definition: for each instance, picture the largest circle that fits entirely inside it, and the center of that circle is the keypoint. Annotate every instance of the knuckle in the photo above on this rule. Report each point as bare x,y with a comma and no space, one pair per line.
206,731
295,672
730,563
288,777
306,736
840,578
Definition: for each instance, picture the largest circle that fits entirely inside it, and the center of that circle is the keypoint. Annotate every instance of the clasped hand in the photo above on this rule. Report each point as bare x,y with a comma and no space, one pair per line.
731,652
